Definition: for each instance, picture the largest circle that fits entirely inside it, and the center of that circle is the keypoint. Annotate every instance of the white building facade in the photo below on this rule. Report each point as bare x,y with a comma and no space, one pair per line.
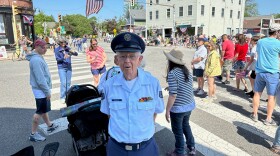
210,17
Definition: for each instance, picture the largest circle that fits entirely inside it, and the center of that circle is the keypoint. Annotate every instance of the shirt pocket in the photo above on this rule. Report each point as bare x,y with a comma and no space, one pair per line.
117,105
146,106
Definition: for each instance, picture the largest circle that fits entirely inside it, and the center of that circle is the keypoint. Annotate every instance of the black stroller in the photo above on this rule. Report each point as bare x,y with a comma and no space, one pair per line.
87,125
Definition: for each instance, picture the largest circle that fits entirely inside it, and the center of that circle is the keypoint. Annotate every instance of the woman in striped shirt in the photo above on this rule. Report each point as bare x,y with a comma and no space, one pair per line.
97,58
180,102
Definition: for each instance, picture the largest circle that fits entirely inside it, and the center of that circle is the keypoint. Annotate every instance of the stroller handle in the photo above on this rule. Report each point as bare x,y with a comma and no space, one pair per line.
88,105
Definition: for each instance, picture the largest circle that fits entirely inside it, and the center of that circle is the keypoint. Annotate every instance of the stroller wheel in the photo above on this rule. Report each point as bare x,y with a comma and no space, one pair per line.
75,147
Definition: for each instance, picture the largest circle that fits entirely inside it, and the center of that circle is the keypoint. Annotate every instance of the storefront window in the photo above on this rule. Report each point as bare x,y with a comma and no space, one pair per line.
3,37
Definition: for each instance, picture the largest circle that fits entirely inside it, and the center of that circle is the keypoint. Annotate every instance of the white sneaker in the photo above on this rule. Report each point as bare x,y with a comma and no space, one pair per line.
208,99
200,92
196,90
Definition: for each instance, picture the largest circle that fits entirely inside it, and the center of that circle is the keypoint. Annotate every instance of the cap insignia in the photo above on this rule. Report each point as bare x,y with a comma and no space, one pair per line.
127,37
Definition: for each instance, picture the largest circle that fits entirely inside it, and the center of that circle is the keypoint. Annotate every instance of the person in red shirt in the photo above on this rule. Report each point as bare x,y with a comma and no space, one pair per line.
227,57
239,61
97,58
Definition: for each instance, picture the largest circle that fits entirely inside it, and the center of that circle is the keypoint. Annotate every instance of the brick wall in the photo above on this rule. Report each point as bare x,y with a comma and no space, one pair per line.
20,3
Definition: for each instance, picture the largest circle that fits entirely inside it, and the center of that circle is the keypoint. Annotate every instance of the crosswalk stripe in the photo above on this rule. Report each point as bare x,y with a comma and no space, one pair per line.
75,73
57,90
76,78
258,128
73,64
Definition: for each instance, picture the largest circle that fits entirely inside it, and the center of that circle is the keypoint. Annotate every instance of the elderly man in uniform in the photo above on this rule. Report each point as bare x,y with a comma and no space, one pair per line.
131,99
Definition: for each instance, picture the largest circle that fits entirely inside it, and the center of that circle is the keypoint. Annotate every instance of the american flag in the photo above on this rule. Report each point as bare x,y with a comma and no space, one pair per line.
93,6
183,29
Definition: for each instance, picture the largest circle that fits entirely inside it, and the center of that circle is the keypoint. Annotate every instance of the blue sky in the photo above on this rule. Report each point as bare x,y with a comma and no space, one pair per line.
114,8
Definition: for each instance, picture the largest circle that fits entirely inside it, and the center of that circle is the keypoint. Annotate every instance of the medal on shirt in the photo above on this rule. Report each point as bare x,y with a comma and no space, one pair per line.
145,99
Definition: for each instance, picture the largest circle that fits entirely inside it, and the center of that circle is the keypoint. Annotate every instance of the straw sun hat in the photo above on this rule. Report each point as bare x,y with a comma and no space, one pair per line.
175,56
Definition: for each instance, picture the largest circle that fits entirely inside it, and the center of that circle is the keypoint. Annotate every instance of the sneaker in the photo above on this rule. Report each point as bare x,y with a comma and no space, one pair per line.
254,117
270,123
173,153
197,89
208,99
200,92
245,90
36,137
52,128
226,82
192,151
214,97
275,149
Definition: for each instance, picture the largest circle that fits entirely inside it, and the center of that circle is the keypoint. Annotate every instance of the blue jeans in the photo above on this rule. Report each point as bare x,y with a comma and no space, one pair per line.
180,127
65,81
276,141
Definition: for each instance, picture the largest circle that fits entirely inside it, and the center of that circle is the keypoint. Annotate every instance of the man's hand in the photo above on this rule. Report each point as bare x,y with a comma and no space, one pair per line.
66,56
48,97
167,116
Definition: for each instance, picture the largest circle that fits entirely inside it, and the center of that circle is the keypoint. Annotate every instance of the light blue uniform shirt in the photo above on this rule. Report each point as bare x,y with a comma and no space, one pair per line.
132,121
268,50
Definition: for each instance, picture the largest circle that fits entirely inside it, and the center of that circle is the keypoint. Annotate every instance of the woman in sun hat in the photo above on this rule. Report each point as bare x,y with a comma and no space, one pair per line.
180,102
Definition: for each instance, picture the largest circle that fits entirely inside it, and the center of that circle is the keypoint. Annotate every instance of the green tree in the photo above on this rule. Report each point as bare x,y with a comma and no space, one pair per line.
251,8
277,16
77,24
39,19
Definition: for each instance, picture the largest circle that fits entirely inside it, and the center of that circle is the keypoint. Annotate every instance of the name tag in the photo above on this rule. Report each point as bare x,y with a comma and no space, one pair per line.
116,99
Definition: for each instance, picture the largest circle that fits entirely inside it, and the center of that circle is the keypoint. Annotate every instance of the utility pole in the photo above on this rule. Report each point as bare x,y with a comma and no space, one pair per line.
16,33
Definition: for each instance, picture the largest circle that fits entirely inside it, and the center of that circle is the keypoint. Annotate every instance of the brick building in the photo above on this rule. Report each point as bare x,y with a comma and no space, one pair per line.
24,20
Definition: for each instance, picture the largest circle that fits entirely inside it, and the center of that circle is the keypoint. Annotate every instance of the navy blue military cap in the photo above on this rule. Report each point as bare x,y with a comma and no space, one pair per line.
128,42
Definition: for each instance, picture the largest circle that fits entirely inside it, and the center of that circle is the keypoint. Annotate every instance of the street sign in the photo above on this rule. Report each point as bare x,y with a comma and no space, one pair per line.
62,30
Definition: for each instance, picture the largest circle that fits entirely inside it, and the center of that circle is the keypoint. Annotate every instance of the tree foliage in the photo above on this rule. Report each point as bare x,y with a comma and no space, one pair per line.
251,8
277,16
77,25
39,19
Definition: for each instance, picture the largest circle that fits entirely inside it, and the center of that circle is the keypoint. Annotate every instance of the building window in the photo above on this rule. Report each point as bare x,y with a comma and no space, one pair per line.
231,1
151,2
168,0
223,12
190,10
157,1
230,14
213,11
239,2
238,15
168,13
202,10
181,11
151,15
157,14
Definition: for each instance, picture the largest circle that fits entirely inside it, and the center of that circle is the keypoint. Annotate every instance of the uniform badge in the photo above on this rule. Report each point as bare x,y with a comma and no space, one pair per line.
145,99
160,94
127,37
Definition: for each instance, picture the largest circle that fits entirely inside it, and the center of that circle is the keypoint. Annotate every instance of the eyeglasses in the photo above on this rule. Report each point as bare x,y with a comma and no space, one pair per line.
130,57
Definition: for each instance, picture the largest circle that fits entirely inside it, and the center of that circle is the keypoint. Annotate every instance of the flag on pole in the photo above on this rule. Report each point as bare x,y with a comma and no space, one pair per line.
28,19
93,6
183,29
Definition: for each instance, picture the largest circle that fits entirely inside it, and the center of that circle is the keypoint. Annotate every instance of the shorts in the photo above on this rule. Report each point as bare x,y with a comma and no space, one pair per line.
198,72
253,74
98,71
43,105
227,65
239,65
268,80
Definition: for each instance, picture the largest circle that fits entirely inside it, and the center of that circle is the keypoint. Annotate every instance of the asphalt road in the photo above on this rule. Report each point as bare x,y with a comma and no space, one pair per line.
220,128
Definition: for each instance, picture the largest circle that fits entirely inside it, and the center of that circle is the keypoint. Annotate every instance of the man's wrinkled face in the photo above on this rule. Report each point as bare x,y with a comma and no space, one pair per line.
129,61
